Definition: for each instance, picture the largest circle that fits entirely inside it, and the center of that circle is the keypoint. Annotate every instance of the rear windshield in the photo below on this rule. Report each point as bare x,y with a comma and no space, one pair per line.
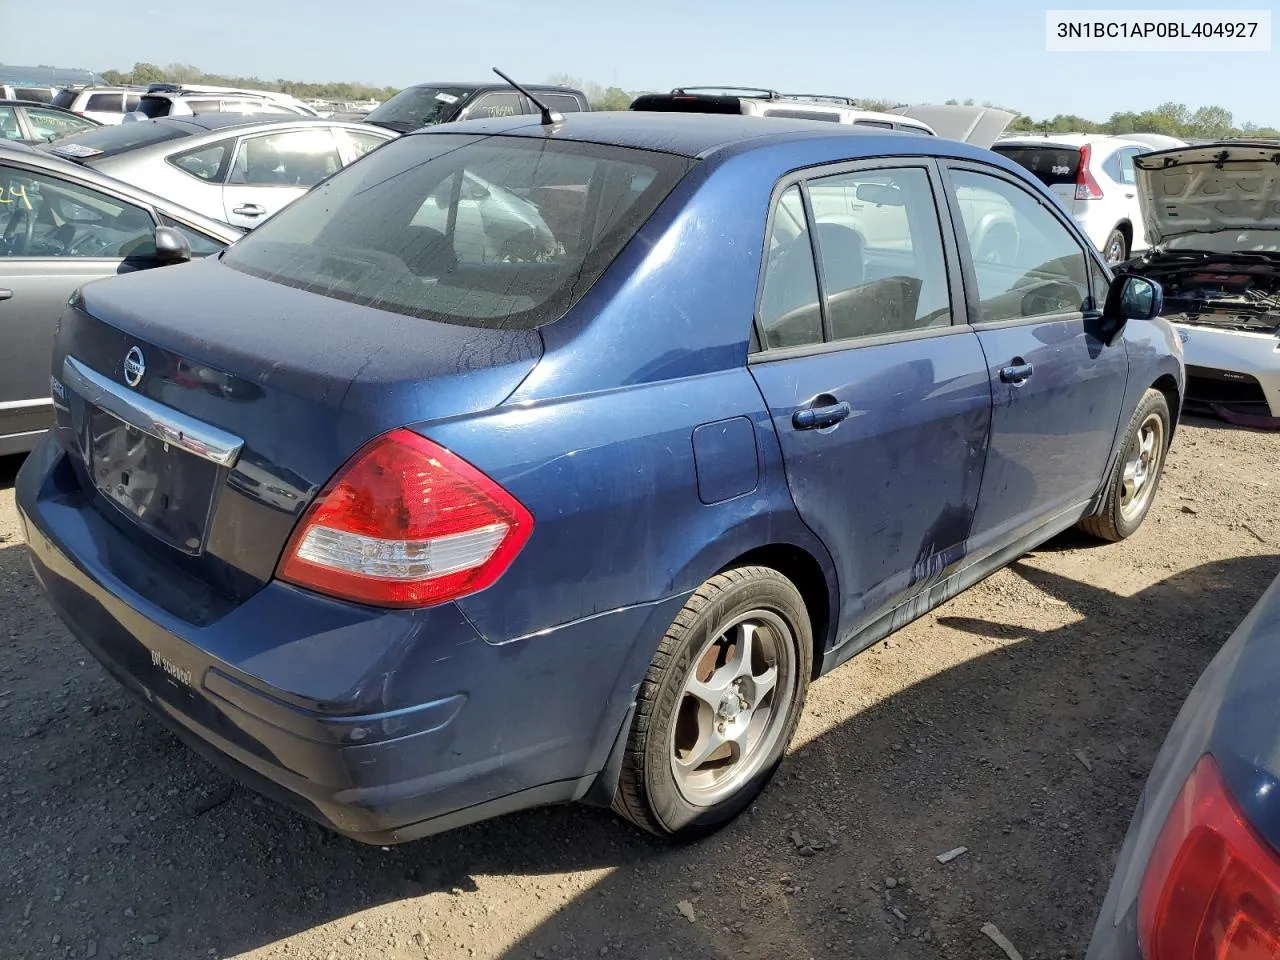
416,107
497,232
1051,165
675,103
112,140
64,99
154,106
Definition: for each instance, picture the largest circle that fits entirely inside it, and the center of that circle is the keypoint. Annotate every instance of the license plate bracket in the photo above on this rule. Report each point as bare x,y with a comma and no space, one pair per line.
165,490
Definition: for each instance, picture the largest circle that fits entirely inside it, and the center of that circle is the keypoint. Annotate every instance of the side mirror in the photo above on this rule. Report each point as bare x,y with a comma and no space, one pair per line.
1130,298
171,246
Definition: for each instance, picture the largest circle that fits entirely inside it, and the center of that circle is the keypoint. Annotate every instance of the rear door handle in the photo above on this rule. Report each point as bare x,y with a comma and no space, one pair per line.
6,294
249,210
1017,372
815,418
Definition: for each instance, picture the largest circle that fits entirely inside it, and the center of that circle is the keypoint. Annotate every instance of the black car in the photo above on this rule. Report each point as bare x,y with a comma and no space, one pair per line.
27,121
431,103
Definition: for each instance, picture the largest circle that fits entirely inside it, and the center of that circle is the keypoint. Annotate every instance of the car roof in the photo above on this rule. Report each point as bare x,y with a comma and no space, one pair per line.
495,85
221,121
31,103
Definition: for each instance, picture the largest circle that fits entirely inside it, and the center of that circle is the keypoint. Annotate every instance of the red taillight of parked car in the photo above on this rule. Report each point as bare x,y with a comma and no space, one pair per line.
405,523
1086,186
1212,887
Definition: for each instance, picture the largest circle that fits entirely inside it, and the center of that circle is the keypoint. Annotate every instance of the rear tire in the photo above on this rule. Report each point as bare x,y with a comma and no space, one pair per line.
718,705
1131,488
1116,249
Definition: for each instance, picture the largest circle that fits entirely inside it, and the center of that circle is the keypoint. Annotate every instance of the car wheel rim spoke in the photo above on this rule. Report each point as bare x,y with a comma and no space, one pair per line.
1141,466
732,707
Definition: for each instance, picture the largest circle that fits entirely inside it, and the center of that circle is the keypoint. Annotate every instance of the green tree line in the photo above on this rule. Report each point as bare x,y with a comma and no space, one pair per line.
144,73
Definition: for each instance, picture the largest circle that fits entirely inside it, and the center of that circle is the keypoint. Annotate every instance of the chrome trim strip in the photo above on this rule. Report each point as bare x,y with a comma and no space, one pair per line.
26,404
154,419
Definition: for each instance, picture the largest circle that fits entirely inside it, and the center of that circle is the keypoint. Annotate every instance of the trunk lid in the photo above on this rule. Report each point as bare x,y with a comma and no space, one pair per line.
1221,197
163,344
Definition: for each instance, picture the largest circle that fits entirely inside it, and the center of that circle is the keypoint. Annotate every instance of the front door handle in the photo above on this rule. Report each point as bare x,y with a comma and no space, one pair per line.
6,294
249,210
1017,372
815,418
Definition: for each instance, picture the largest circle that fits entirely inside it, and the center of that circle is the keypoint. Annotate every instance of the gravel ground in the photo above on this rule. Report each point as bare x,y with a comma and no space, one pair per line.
1017,720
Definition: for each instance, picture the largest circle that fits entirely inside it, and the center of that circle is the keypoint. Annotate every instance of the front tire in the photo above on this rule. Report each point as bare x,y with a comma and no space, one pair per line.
1131,488
718,705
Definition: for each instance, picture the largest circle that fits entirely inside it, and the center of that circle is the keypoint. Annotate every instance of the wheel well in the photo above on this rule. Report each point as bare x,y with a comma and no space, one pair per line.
1169,387
803,570
1125,227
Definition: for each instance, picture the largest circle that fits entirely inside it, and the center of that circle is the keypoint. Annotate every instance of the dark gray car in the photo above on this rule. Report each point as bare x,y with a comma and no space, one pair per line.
62,225
1199,873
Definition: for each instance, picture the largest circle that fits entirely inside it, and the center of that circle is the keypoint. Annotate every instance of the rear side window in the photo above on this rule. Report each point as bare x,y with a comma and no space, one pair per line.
497,232
37,94
561,102
880,247
1052,166
206,163
106,103
790,315
154,106
882,124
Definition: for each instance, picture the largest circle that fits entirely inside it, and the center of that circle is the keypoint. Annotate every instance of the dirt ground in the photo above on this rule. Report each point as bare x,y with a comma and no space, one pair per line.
1018,720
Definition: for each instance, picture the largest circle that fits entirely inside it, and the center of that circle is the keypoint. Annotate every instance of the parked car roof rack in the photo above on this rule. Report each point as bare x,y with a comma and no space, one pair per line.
821,98
756,92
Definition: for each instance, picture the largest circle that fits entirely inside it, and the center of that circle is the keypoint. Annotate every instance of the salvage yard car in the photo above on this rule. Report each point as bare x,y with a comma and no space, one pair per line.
579,522
426,104
1199,872
1211,213
233,167
60,226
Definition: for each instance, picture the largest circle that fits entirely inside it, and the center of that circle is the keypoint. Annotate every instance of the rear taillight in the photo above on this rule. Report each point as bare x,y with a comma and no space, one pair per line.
1086,187
405,523
1212,887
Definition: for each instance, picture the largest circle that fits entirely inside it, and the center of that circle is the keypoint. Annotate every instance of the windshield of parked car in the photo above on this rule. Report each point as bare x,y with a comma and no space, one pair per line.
417,107
499,232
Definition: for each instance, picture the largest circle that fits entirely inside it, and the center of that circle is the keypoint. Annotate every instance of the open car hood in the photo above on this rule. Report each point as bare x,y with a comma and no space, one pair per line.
1215,196
976,125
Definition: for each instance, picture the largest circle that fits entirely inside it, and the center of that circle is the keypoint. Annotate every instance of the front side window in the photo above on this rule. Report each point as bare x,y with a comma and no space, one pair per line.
51,124
300,158
201,245
1026,261
880,247
790,313
362,142
46,216
498,232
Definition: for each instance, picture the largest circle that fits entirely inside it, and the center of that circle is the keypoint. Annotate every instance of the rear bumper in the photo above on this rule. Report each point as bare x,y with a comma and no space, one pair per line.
384,726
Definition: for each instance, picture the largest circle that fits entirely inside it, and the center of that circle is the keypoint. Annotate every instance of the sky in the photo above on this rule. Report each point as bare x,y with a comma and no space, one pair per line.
913,51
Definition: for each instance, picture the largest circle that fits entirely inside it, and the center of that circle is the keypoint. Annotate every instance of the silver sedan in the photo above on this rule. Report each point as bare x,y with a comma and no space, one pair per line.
236,168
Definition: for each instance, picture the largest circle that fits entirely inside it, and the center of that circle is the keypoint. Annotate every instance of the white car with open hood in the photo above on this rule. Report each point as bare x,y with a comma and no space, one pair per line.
1212,214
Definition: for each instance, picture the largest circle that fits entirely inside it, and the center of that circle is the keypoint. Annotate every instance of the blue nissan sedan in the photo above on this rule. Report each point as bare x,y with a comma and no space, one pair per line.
522,463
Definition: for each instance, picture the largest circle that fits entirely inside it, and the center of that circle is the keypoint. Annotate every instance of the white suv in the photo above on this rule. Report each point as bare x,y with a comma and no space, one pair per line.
1092,175
104,104
175,100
